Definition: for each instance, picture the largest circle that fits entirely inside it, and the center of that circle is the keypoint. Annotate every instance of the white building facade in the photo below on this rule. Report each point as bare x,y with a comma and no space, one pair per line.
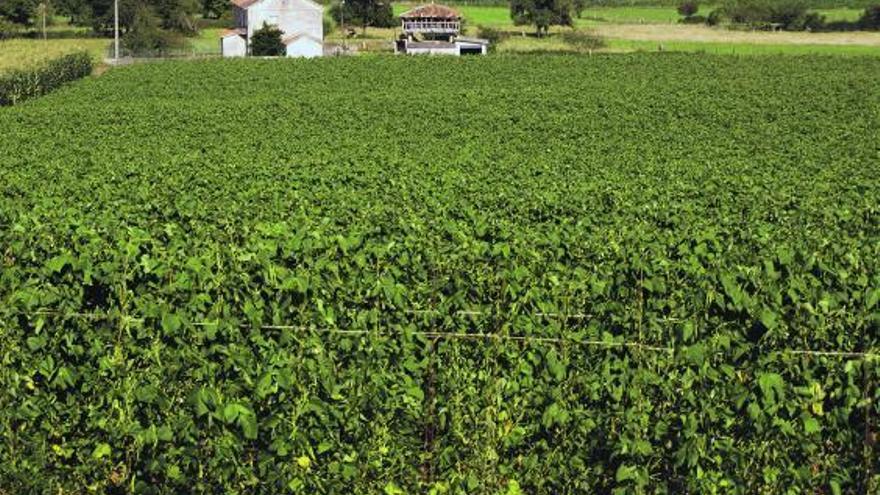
300,21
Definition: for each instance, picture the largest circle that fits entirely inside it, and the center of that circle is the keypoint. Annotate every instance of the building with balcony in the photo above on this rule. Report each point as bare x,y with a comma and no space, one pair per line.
435,30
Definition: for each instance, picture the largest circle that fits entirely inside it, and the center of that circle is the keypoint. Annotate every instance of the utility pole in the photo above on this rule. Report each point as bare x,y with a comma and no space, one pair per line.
342,21
116,31
43,7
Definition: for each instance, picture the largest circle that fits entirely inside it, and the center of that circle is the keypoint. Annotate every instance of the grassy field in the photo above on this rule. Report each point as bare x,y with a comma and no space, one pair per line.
207,41
415,275
500,15
22,53
734,48
656,28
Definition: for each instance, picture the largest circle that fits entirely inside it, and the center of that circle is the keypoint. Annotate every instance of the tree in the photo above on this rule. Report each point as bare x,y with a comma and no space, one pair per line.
145,36
579,6
78,11
870,18
266,42
541,13
213,9
364,13
746,11
102,14
178,15
688,8
18,11
789,14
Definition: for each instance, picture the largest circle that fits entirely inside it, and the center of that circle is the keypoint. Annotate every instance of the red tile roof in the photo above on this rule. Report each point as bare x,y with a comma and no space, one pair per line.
234,32
431,10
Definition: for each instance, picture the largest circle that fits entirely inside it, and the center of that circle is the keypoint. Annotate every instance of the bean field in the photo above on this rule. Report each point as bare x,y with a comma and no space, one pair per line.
645,273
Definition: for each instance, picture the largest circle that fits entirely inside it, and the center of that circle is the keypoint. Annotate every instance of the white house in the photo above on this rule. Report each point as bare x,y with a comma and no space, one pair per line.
301,21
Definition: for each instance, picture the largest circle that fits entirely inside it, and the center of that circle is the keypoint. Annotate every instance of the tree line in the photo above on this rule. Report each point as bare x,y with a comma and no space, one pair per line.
793,15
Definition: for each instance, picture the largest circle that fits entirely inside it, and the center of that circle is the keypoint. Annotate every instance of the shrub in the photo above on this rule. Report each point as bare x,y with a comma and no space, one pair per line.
791,15
583,40
493,35
688,8
746,11
21,85
870,18
715,17
8,29
266,42
694,19
328,25
813,21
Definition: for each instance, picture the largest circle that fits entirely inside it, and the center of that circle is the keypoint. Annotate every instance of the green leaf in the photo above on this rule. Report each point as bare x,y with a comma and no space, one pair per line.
626,473
101,450
170,323
769,319
835,487
392,489
772,386
58,263
244,417
873,298
811,425
416,392
556,368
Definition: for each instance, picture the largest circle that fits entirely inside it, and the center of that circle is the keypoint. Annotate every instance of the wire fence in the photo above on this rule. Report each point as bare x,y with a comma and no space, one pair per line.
476,336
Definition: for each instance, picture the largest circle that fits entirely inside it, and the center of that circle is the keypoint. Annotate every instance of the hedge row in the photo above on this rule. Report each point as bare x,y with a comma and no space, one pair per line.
21,85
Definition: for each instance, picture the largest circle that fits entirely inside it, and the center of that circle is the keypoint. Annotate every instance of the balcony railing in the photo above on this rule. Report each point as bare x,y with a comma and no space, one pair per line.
431,26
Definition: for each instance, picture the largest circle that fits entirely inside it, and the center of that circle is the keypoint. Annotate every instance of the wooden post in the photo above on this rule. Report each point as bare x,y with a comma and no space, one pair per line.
43,9
116,31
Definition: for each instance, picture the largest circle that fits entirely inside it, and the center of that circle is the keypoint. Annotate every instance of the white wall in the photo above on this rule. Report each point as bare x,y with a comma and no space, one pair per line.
233,46
291,16
305,47
432,51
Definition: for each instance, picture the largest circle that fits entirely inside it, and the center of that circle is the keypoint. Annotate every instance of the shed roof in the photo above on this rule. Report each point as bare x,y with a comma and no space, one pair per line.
233,32
466,39
244,3
293,37
431,11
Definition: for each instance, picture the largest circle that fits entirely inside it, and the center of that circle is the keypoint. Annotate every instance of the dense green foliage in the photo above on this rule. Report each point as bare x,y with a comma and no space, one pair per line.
175,15
146,37
543,13
688,8
224,223
266,42
19,85
870,19
364,13
792,15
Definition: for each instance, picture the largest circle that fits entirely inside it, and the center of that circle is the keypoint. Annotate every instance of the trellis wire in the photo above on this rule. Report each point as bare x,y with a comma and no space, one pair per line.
457,335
